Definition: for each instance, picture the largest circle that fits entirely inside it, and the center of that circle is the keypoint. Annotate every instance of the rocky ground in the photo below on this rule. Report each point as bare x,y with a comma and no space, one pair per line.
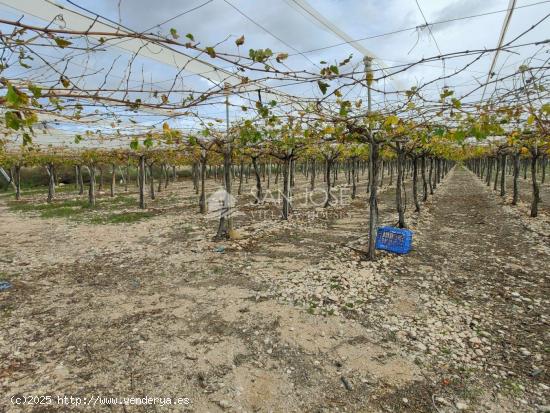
286,318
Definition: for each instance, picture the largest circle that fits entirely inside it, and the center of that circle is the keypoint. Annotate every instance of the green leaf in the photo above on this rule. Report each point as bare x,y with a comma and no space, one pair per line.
78,138
411,92
460,136
260,55
27,139
240,41
334,69
13,120
36,91
211,52
190,37
323,86
346,61
263,111
13,98
61,42
148,142
446,93
345,106
64,81
134,144
439,132
135,105
174,33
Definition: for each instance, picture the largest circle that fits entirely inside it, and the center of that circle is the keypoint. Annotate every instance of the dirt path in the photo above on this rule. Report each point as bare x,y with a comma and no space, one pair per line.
469,304
478,281
133,310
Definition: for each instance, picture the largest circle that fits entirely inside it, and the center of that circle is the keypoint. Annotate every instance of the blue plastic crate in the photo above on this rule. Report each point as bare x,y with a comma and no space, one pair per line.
394,240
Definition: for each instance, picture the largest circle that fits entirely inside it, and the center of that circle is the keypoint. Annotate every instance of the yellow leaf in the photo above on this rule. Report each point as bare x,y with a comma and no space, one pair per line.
391,120
370,78
211,52
64,81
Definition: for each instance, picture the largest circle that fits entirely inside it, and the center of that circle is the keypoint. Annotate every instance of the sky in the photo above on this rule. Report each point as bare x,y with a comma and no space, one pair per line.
283,26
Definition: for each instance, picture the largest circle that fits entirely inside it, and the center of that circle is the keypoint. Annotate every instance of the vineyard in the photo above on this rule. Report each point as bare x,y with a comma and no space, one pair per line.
193,202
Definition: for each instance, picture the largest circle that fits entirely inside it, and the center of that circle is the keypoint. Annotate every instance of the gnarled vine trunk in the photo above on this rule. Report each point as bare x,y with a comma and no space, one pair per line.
159,186
536,190
80,179
430,173
141,181
328,197
51,182
503,176
435,173
497,161
100,188
202,199
373,198
240,178
287,204
91,186
258,180
543,166
225,226
17,181
415,185
113,179
489,171
312,175
151,182
424,183
515,194
399,187
194,173
353,178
